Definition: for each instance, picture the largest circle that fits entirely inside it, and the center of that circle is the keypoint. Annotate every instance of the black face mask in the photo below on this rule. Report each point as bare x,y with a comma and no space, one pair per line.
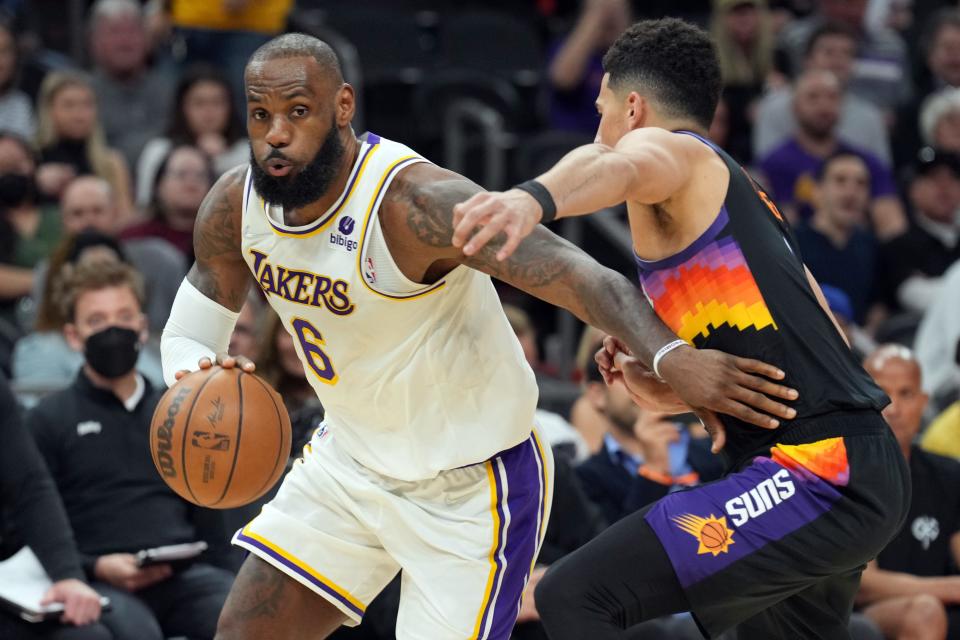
112,352
15,190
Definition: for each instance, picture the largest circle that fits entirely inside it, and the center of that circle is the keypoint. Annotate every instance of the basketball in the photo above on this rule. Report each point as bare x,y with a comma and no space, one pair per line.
220,438
712,535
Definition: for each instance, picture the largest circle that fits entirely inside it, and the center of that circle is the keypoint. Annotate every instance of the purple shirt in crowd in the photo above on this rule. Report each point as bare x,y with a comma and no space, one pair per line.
575,110
791,173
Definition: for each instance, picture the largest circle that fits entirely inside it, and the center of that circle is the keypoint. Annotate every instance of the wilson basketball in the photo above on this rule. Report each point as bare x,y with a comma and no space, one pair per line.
712,535
220,438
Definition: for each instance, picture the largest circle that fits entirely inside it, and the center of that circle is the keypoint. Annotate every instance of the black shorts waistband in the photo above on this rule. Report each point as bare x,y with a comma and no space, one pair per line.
864,422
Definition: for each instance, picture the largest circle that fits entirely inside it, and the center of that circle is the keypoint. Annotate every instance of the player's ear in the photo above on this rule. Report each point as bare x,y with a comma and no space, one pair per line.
637,110
346,105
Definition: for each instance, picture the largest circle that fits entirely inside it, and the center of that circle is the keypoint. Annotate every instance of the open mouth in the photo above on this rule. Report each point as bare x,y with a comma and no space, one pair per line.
277,167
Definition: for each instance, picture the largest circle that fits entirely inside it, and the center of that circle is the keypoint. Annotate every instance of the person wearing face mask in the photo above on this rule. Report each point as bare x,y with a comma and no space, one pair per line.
94,436
43,356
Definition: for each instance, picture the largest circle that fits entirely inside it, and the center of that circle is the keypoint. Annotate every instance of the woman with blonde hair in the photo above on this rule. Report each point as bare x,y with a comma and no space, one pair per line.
71,140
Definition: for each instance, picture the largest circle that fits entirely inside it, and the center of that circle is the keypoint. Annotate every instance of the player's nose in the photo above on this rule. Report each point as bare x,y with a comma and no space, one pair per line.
279,134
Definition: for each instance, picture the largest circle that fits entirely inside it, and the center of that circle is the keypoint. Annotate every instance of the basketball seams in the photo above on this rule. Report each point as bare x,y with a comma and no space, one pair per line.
280,456
236,450
186,428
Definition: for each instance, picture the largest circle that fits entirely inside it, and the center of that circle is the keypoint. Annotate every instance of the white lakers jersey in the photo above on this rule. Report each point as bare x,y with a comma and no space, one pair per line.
415,379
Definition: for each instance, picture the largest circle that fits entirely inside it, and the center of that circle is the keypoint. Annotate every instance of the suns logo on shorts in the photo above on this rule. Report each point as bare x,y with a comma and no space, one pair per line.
712,533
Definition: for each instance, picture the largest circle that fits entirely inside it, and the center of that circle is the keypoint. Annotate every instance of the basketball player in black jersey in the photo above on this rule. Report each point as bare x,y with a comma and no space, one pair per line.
774,549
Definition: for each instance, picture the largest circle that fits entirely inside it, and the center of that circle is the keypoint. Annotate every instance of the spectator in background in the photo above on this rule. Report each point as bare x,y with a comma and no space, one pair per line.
94,436
576,69
204,117
834,244
71,139
940,120
244,339
134,99
832,47
791,167
16,109
280,366
942,436
32,515
940,45
881,73
44,356
564,439
32,228
16,159
912,264
936,341
744,39
909,590
88,204
644,454
861,343
182,181
226,33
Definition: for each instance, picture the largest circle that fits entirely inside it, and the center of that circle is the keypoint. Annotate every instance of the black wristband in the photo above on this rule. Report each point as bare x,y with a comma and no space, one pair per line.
541,195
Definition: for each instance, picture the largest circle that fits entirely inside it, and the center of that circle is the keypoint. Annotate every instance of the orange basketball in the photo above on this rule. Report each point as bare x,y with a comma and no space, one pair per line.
712,535
220,437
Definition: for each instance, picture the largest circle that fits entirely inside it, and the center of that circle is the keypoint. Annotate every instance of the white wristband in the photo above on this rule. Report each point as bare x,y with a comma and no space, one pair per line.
664,350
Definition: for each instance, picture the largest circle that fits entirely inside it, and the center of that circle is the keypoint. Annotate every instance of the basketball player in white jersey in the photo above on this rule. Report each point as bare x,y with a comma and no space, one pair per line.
428,461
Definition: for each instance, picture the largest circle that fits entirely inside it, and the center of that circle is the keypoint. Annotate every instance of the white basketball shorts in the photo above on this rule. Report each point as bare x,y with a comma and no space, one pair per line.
466,540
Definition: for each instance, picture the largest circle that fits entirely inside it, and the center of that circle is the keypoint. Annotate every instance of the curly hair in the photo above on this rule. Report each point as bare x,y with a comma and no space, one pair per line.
672,62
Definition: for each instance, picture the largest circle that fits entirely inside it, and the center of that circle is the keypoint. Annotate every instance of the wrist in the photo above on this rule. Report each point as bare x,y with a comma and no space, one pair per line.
670,357
543,197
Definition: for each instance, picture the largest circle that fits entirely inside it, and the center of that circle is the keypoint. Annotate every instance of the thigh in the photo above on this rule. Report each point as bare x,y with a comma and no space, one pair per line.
819,612
189,602
266,603
322,530
128,617
467,542
96,631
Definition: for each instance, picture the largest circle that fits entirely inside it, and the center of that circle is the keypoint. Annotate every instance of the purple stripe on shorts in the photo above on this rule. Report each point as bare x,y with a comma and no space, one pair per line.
300,571
706,529
525,504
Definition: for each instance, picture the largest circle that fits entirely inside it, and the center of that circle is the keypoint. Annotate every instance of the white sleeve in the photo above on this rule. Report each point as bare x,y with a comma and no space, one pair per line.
198,327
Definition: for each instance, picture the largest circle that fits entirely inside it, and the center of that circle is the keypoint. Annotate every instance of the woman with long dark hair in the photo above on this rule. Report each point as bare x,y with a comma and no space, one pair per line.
203,117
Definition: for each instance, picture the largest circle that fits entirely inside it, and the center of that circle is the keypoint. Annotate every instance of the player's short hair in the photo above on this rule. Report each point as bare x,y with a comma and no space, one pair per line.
672,62
76,280
297,45
827,29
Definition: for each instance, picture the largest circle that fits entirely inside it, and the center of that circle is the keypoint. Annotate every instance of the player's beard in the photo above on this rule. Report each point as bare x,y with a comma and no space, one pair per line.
309,184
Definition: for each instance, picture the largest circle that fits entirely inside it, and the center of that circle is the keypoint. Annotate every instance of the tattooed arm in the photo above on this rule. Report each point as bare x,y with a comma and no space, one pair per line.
219,272
647,166
417,218
209,300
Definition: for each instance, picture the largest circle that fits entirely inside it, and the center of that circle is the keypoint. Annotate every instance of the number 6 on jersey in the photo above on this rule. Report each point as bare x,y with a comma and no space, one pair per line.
311,342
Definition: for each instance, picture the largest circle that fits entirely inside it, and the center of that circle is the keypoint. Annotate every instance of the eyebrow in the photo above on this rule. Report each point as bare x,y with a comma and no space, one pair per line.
298,91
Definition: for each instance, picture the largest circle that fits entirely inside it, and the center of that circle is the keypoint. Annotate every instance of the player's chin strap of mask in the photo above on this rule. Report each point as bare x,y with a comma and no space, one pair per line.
198,328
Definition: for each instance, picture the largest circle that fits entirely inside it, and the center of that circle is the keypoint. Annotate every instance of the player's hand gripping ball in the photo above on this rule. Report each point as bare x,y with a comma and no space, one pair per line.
220,438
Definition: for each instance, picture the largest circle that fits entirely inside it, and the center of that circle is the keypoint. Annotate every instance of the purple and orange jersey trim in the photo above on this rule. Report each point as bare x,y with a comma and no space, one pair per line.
707,285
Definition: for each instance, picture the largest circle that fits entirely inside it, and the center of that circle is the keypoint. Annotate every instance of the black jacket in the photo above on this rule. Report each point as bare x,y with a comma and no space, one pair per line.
618,493
30,509
99,456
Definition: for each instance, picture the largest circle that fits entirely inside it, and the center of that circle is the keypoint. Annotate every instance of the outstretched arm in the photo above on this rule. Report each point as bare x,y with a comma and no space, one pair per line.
209,300
647,166
418,222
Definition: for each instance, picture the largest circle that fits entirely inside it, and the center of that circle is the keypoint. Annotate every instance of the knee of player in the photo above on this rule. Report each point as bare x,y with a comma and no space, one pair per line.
926,614
556,593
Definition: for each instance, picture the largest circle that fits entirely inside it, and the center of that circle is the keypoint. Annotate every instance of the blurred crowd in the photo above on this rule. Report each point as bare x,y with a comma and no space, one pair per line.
112,133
